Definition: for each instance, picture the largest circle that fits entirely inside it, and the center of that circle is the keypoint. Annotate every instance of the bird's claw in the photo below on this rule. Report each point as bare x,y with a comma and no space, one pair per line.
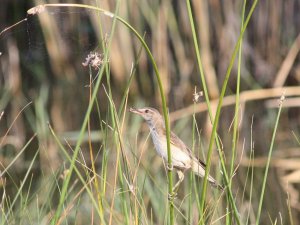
172,196
170,167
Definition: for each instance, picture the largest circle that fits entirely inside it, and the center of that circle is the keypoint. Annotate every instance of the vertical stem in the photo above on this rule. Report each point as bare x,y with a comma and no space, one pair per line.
84,125
237,101
216,119
268,162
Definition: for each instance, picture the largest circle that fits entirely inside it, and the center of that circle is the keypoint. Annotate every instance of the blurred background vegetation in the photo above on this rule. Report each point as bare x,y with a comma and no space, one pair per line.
41,64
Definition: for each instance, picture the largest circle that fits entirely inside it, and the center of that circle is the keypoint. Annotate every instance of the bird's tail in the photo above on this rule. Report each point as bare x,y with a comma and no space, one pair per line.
199,169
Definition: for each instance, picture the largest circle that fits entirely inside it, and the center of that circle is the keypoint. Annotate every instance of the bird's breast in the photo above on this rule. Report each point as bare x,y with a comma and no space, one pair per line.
160,144
180,158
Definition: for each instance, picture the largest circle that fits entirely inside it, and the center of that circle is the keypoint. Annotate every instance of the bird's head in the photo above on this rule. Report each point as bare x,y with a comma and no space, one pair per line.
151,115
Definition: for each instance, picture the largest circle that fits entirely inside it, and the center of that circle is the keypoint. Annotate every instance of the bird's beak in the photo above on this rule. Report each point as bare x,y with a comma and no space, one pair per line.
134,110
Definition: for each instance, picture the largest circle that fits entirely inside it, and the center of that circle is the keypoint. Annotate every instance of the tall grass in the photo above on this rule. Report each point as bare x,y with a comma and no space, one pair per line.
121,180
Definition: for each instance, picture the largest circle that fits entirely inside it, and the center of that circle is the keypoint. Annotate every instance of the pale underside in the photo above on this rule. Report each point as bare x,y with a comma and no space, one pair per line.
182,157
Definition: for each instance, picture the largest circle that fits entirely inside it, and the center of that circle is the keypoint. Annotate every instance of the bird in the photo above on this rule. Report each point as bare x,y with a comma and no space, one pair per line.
182,157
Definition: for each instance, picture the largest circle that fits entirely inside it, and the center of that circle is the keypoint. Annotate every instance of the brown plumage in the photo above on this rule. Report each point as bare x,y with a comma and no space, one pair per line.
182,157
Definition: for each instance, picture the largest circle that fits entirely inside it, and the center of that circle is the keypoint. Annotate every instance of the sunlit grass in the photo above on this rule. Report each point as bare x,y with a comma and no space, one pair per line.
122,180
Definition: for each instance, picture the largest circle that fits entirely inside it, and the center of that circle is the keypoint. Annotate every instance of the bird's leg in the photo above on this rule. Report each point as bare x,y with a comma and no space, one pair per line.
181,177
169,168
175,188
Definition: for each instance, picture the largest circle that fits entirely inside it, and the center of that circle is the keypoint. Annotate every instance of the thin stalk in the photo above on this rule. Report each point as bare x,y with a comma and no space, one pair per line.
217,117
36,10
118,172
191,177
237,103
117,138
251,183
290,210
236,112
19,193
76,151
85,184
100,189
216,120
268,161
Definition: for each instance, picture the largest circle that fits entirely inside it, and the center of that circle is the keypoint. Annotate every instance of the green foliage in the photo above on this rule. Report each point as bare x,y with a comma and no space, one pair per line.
105,170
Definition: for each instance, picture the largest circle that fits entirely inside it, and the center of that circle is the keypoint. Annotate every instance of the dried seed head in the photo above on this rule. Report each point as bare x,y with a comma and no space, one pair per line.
94,59
197,95
36,10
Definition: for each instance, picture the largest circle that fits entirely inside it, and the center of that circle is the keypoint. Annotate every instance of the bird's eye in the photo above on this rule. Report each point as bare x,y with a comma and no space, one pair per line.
146,111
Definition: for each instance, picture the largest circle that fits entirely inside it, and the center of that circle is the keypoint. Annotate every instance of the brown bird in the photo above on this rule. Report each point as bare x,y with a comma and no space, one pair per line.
182,157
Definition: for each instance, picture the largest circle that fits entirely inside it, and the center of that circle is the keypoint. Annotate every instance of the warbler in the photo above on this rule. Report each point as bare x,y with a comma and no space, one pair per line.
182,157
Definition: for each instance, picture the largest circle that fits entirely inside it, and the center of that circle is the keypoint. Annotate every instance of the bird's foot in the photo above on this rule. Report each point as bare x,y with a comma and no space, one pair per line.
170,167
172,196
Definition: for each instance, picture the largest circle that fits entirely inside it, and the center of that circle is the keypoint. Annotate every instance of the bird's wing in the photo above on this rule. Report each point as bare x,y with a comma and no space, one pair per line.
175,140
